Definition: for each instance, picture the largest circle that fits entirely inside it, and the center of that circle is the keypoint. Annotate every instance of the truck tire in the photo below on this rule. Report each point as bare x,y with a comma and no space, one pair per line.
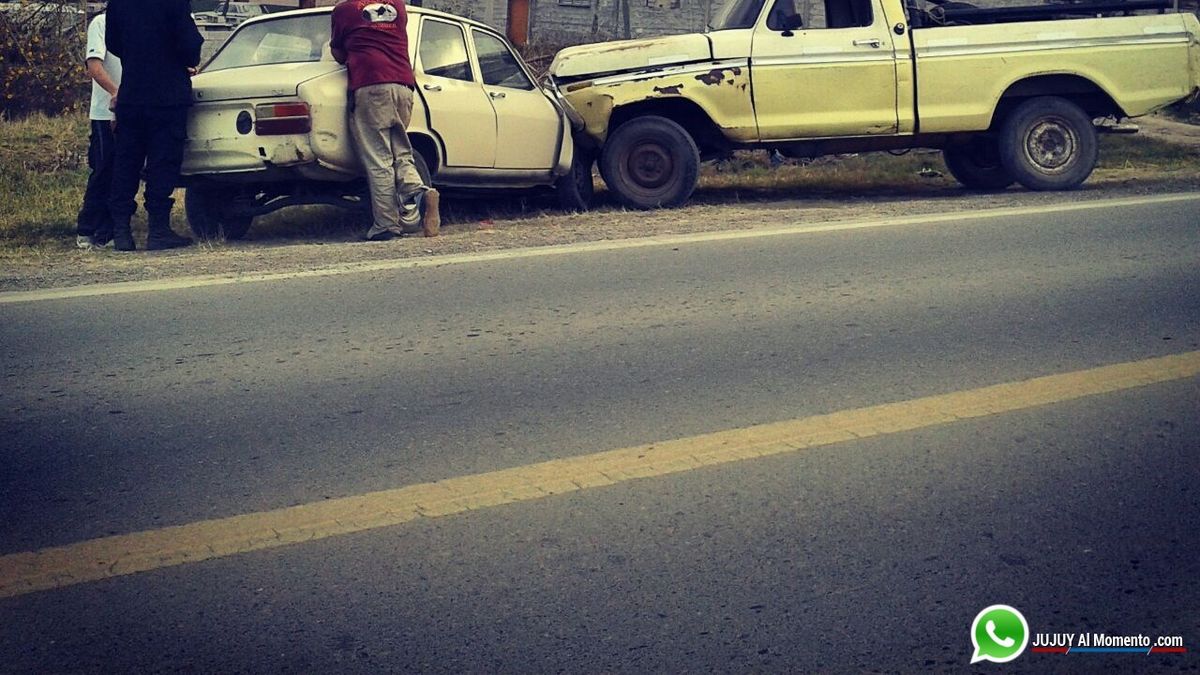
206,204
977,165
651,162
1049,143
575,188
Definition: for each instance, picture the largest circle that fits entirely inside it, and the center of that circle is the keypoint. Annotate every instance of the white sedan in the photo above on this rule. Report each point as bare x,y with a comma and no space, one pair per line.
268,128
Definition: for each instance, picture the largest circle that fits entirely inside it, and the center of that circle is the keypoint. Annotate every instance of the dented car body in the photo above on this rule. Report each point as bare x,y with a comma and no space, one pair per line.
268,127
1009,94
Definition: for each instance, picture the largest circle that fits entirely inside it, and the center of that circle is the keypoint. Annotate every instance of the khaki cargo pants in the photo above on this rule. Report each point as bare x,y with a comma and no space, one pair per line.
379,125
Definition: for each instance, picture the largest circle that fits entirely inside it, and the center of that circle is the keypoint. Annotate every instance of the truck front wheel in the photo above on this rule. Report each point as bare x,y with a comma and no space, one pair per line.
651,162
977,165
1049,143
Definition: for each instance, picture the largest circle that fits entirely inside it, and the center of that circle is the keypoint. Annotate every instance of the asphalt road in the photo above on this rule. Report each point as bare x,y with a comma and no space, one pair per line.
134,412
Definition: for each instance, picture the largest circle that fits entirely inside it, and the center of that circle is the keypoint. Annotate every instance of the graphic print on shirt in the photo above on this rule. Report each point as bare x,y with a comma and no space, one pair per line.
378,12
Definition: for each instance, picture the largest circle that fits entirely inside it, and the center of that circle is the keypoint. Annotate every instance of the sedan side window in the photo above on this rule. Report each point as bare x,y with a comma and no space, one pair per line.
443,51
498,64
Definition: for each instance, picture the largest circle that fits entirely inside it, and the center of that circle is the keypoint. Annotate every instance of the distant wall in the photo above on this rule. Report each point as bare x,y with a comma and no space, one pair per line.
607,19
591,20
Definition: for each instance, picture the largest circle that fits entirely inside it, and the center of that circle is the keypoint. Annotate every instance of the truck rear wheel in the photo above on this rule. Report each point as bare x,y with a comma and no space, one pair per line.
207,206
1049,143
977,165
651,162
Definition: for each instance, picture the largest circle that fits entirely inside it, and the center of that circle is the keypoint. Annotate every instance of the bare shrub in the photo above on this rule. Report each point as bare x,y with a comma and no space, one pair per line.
544,44
41,58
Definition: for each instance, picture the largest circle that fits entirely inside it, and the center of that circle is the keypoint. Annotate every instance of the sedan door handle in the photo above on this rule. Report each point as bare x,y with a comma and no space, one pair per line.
431,87
496,94
873,42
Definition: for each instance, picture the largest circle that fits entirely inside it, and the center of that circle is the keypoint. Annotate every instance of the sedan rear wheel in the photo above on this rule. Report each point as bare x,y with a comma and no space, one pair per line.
427,179
209,212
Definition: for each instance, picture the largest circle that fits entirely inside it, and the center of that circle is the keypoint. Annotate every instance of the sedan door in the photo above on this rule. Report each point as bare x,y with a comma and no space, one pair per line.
460,112
527,123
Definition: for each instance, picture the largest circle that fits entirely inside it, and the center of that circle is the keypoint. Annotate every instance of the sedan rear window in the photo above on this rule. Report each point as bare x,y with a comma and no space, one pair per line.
295,39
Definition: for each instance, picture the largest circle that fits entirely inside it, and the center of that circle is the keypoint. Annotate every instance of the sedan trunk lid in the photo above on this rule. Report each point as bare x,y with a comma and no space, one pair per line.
254,82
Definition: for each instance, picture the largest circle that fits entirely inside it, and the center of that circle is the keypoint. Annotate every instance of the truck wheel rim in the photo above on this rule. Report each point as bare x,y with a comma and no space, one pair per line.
1051,145
650,165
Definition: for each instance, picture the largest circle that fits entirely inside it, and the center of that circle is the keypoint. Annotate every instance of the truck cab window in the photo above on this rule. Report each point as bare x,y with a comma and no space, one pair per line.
737,14
815,14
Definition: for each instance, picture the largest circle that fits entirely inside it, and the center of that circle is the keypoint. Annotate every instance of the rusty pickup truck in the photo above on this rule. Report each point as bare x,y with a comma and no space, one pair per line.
1010,94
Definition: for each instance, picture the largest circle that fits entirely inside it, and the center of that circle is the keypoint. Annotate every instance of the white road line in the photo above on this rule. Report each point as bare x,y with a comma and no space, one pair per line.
14,297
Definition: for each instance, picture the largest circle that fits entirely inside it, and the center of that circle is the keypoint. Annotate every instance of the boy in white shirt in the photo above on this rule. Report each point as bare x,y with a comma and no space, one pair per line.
94,226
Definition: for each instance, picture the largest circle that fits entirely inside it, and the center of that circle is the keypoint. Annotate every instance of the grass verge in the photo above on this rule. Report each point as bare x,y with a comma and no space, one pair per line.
44,169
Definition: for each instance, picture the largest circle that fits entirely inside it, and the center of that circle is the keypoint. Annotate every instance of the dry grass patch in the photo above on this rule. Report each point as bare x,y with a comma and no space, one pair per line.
44,170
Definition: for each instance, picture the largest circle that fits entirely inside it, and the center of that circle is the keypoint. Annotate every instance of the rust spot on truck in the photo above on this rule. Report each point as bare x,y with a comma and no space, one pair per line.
716,76
673,90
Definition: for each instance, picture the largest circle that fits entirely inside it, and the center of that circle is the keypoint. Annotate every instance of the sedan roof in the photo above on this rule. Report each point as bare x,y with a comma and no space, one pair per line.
411,10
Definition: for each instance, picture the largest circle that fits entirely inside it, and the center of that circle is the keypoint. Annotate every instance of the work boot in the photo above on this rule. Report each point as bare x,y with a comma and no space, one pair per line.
431,217
102,238
162,237
123,238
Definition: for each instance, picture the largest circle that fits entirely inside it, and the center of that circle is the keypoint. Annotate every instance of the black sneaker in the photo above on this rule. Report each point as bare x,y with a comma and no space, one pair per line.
383,235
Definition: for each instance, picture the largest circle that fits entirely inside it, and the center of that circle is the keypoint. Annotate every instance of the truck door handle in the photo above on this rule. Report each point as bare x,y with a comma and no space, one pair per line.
496,94
431,87
875,43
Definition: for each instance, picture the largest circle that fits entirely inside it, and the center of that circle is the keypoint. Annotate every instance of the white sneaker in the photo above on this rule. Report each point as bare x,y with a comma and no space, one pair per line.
84,242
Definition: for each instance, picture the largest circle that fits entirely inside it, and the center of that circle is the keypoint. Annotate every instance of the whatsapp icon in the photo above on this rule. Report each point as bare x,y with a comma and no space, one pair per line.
999,634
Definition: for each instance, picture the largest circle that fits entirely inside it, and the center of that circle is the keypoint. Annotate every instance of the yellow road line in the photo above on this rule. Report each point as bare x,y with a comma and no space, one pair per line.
114,556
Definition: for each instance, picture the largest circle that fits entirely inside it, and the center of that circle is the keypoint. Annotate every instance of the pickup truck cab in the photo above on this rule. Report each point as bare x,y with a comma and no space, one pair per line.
1010,94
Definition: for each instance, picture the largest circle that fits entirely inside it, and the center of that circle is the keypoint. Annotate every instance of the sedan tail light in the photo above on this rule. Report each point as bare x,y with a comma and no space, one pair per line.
274,119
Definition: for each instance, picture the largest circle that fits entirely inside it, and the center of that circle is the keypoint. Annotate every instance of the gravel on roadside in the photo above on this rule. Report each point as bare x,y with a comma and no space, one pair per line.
250,257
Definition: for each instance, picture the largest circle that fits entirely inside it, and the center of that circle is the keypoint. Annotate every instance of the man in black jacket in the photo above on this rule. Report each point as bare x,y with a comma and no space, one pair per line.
159,47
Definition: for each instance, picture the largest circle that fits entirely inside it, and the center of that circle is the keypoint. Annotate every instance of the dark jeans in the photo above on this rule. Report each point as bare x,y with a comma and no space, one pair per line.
150,136
94,218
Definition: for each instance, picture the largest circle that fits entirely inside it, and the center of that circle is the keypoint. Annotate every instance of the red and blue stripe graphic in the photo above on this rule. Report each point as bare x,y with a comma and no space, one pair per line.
1109,650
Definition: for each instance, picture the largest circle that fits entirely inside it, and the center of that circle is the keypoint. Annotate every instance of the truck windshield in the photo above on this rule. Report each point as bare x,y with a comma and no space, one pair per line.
737,14
294,39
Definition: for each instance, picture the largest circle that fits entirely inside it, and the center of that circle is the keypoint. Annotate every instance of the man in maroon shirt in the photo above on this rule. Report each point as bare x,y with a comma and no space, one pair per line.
371,38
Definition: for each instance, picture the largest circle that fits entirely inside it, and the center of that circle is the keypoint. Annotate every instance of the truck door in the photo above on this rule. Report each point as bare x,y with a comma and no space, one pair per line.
460,111
823,68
